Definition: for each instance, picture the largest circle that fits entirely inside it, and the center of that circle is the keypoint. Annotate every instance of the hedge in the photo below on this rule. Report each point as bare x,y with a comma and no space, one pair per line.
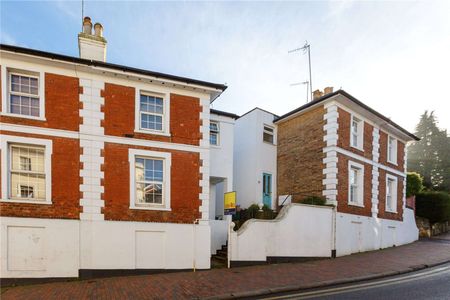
434,206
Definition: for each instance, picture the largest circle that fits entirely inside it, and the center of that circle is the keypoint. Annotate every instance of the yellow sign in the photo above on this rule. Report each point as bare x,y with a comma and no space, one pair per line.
229,203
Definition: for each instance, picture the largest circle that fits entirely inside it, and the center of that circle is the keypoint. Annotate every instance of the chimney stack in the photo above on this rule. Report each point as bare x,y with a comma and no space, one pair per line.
317,94
328,90
92,46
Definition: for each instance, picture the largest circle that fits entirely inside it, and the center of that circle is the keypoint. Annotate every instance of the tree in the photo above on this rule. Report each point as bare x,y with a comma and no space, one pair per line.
414,184
430,156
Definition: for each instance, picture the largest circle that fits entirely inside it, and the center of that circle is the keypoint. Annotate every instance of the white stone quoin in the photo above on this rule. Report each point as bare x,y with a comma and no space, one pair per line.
92,147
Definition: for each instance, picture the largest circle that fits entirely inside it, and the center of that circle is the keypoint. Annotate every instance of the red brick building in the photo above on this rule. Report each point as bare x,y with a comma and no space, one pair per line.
341,149
102,166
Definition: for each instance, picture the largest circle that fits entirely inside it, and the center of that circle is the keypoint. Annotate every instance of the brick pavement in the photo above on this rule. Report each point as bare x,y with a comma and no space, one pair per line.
238,281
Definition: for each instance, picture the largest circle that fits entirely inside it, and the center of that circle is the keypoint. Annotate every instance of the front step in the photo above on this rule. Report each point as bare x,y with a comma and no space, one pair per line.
220,259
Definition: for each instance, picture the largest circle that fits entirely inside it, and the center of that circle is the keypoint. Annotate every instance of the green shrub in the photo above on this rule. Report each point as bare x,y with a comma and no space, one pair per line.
253,212
314,200
435,206
414,184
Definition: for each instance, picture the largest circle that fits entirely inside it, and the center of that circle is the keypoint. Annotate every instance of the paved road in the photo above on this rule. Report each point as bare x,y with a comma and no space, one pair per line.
427,284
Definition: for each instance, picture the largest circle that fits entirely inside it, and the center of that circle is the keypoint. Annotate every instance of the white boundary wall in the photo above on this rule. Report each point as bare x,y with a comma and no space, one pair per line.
299,230
59,248
359,234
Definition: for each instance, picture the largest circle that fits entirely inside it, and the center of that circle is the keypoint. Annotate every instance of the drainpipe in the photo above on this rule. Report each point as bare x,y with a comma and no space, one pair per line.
333,250
194,244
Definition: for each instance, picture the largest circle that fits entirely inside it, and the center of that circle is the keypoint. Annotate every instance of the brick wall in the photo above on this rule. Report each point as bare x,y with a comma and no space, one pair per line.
342,196
184,187
382,213
61,104
400,153
184,116
344,122
300,155
65,183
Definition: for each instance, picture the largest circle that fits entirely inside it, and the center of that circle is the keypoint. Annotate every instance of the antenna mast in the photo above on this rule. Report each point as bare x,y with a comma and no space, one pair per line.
82,14
306,49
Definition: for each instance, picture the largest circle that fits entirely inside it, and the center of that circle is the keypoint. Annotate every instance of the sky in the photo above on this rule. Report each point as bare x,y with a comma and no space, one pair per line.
392,55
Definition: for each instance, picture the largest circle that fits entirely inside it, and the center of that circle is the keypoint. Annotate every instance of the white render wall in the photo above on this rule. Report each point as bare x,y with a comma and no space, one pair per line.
222,155
253,157
221,164
39,248
299,230
359,233
33,248
144,245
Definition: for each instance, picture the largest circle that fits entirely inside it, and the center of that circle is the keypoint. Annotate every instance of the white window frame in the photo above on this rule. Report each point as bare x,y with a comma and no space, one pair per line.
167,162
165,117
392,160
360,179
6,72
394,179
214,132
5,143
360,133
272,133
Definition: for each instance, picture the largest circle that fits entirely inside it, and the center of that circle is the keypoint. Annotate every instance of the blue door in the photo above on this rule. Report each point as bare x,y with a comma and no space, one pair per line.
267,189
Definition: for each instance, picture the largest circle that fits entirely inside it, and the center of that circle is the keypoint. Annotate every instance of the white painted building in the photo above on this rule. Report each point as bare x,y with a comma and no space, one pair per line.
255,159
221,142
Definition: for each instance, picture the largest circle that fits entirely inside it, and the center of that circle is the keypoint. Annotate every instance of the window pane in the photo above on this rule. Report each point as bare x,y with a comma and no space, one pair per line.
267,137
33,183
148,193
355,140
15,79
213,127
151,104
15,109
24,105
213,138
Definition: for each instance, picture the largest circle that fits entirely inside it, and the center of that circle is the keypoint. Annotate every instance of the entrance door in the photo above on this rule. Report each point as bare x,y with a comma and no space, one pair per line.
267,189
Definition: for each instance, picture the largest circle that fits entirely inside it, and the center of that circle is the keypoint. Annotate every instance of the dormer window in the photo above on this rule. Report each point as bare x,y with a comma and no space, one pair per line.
356,133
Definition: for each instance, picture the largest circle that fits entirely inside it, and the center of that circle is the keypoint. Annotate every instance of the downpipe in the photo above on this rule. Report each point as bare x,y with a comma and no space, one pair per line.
194,239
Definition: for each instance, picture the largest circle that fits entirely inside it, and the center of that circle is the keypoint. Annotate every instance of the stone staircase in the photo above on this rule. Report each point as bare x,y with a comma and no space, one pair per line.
220,259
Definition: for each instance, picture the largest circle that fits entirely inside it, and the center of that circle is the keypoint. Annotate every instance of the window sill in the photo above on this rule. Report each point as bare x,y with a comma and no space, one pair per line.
151,208
22,116
392,163
46,202
391,211
269,143
356,204
215,146
357,148
152,132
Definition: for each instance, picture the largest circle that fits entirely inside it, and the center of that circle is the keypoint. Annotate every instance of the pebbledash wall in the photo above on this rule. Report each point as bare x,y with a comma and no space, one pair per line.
91,136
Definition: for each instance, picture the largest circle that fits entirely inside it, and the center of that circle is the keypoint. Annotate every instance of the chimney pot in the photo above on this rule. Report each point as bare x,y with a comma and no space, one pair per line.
92,46
98,30
317,94
87,25
328,90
